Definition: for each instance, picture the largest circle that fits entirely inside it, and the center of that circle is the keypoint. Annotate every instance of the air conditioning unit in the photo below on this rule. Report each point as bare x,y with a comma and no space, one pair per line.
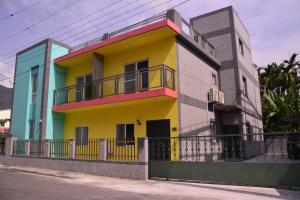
213,95
221,97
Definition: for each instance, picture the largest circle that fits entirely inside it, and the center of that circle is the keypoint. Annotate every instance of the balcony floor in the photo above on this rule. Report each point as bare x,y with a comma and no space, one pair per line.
160,94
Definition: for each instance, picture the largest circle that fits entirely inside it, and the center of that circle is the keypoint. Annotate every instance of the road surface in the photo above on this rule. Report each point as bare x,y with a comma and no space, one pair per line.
17,183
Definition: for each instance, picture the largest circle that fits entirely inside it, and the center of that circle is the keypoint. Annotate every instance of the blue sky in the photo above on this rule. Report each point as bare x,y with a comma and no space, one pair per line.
274,25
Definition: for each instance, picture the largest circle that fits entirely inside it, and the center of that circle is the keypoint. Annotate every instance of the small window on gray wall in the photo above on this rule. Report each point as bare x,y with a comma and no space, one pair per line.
214,79
248,131
245,86
241,46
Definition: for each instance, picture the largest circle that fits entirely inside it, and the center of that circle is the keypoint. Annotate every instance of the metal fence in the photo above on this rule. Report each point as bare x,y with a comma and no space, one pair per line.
143,80
238,148
19,147
122,150
59,148
37,148
89,150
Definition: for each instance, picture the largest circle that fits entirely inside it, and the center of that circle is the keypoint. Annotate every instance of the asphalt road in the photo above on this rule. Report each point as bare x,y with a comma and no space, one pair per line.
16,185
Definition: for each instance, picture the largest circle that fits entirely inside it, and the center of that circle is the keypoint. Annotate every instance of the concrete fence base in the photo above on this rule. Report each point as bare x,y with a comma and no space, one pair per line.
130,170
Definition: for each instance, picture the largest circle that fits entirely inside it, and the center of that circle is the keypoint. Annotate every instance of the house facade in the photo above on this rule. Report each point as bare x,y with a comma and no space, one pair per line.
162,77
4,121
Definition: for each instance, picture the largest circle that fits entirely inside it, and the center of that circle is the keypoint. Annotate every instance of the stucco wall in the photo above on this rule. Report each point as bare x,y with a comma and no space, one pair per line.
134,170
216,28
195,80
34,57
53,127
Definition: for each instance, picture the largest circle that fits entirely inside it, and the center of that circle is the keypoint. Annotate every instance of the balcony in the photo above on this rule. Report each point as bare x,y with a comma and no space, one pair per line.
142,84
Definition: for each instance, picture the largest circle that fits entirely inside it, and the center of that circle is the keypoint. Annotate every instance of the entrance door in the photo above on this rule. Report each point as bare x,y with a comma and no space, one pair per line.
83,88
134,81
142,67
130,78
231,144
158,132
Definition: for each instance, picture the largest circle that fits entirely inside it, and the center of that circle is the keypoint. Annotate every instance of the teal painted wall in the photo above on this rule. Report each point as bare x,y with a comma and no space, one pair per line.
55,121
33,58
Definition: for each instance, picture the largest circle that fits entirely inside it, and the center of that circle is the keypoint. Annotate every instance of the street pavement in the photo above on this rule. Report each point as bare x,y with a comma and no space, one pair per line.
23,183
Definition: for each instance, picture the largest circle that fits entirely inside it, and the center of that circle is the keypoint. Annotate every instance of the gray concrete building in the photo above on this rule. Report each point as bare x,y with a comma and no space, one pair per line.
226,66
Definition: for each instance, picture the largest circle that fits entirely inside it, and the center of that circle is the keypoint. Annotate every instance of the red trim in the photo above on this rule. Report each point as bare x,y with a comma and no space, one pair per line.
118,98
127,35
4,130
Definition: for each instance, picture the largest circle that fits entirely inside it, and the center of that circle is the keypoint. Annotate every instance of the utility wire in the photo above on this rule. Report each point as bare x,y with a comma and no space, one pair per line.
100,23
20,11
39,22
61,28
116,23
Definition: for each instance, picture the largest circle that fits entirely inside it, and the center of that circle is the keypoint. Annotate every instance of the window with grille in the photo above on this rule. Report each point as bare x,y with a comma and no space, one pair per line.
82,136
125,134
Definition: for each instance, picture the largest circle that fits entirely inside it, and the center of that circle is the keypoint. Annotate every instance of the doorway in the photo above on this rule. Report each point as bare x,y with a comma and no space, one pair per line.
232,142
158,132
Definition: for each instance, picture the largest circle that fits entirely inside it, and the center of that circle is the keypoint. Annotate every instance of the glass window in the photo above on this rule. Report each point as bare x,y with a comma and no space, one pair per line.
214,79
31,129
130,80
212,128
84,87
241,46
82,136
245,86
34,80
125,134
248,131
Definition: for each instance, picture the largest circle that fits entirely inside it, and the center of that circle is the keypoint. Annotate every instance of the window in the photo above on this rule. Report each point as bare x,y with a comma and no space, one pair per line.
31,129
214,79
241,46
82,136
245,90
125,134
84,87
212,128
131,78
248,131
34,80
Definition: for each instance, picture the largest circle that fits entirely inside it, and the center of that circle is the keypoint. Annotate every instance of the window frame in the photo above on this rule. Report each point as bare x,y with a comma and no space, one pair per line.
249,132
31,129
125,142
34,85
245,86
83,87
135,63
82,142
214,80
241,47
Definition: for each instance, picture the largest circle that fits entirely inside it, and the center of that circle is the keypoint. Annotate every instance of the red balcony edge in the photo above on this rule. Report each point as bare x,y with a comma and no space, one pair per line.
127,35
117,98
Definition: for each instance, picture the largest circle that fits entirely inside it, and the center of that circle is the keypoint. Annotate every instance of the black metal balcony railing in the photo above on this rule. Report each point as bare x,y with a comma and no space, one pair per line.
138,81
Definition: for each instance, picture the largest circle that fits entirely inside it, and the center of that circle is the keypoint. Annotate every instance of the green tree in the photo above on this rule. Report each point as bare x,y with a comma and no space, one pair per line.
280,86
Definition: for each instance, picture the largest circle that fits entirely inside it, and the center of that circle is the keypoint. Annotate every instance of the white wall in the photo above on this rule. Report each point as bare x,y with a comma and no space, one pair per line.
5,114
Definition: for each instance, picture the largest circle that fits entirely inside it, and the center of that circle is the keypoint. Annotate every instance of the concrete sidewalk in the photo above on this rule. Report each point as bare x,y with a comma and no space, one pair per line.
154,187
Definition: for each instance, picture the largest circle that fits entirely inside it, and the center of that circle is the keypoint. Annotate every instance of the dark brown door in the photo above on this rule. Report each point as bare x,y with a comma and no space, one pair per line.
158,132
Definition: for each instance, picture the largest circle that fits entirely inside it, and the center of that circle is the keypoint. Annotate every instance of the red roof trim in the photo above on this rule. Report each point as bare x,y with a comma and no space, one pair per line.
129,34
118,98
